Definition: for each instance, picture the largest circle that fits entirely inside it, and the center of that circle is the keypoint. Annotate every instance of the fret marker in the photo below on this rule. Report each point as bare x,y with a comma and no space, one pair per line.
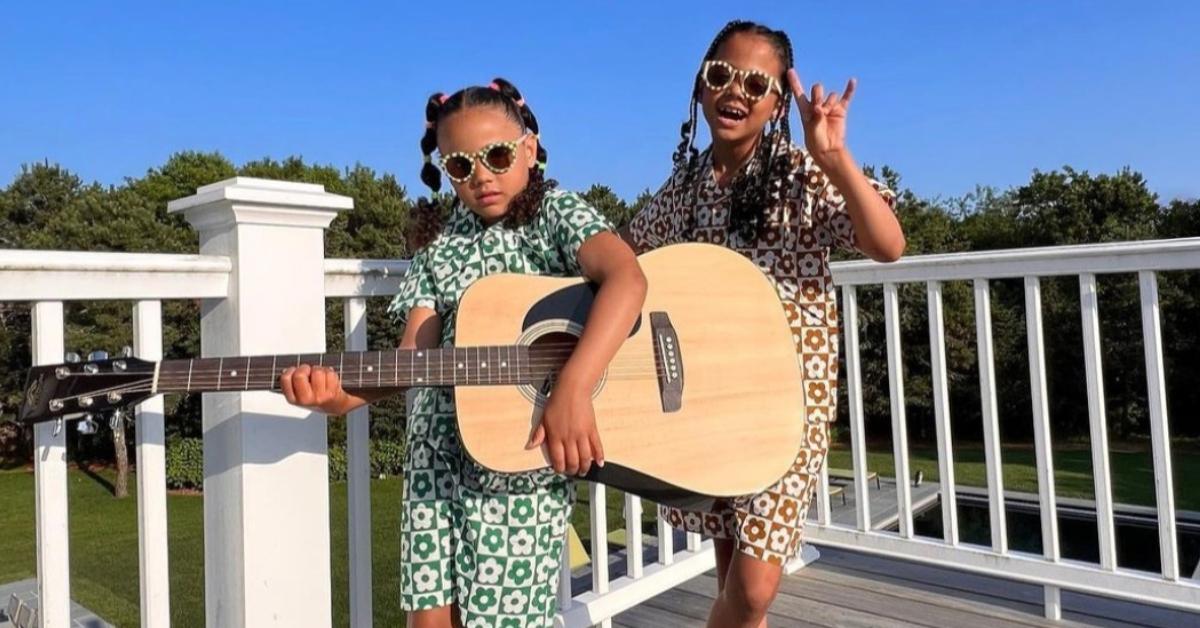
420,379
504,364
460,365
483,364
233,373
419,354
370,368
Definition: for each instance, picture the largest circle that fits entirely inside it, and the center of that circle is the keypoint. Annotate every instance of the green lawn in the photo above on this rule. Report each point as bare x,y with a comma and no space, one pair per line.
1132,472
104,546
104,549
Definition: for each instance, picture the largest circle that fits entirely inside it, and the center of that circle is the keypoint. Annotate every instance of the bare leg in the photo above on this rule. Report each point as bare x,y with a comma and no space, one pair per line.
724,551
749,587
440,617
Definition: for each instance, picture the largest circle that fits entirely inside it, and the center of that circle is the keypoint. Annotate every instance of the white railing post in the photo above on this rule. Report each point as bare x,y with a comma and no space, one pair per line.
358,479
1160,434
633,534
151,477
1043,444
666,540
891,312
50,478
858,433
266,478
941,412
991,419
1093,366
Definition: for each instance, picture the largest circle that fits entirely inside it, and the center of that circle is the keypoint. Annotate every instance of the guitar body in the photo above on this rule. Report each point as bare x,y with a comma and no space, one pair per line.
726,419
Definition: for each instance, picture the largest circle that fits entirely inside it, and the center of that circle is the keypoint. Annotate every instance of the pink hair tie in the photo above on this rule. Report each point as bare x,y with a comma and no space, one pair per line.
494,85
442,99
429,124
521,102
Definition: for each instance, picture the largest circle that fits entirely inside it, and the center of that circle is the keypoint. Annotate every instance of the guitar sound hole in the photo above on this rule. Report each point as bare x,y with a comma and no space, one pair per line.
548,352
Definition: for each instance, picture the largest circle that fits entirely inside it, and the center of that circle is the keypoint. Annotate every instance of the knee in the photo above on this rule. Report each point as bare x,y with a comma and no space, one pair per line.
752,600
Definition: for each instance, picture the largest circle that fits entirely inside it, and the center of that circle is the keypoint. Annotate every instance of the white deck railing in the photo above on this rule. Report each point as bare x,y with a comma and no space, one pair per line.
1144,259
265,462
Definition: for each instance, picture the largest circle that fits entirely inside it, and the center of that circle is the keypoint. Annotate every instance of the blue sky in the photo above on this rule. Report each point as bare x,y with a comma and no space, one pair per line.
950,93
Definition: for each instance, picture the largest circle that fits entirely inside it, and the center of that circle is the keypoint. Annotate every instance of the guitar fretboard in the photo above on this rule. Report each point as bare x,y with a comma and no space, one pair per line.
397,368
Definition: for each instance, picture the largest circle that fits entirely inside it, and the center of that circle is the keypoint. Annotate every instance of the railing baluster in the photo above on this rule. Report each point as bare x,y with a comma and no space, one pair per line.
941,413
1042,436
991,420
565,599
1160,438
599,515
633,535
891,308
823,514
151,477
597,502
1102,477
1052,602
858,436
358,478
666,540
50,478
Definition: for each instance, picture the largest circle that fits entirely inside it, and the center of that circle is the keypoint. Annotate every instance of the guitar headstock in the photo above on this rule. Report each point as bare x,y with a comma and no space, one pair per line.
79,387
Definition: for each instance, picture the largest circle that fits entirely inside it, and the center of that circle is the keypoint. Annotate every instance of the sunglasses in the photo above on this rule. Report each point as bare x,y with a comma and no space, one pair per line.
498,157
718,75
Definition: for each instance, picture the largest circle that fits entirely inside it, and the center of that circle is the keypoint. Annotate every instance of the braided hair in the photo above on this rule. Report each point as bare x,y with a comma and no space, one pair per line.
429,214
763,184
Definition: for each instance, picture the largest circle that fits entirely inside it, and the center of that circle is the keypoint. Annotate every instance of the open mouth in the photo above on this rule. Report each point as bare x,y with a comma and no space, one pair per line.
732,113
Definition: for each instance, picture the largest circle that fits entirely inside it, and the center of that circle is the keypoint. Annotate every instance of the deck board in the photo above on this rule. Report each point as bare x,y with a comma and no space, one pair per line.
847,588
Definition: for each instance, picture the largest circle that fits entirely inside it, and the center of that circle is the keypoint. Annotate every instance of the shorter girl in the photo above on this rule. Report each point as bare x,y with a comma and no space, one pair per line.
481,548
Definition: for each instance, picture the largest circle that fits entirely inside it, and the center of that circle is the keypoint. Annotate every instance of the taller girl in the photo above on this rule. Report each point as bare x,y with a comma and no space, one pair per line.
783,207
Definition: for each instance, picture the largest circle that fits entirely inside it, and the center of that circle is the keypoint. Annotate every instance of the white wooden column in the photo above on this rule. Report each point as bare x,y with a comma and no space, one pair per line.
266,479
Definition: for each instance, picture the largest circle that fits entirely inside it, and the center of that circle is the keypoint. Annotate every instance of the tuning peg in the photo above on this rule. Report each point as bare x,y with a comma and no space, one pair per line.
71,357
114,418
127,351
87,426
97,355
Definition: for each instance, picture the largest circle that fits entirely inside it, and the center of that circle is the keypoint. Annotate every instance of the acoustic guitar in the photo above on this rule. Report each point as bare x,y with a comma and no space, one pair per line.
703,400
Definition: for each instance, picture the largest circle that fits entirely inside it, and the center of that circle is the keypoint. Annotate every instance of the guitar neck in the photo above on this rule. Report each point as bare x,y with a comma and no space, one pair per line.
394,368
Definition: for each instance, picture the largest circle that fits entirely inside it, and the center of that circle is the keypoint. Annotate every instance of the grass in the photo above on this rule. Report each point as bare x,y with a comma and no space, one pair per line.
104,545
1132,472
104,548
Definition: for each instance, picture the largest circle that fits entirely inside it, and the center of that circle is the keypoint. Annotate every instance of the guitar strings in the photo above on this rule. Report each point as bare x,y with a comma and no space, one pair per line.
257,382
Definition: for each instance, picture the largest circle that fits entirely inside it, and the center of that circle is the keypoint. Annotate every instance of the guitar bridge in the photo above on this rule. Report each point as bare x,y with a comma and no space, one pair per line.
668,360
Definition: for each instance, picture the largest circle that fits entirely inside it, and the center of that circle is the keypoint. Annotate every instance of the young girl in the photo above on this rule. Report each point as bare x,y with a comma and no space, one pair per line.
783,207
481,548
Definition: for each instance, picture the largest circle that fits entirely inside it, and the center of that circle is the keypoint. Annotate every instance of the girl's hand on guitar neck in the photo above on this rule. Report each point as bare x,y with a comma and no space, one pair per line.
317,388
568,429
320,389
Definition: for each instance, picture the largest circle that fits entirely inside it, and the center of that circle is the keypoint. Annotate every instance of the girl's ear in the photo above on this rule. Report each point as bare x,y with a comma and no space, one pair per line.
530,146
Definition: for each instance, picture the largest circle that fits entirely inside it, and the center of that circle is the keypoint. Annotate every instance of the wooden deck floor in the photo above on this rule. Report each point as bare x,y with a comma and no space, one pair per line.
850,589
884,504
26,591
